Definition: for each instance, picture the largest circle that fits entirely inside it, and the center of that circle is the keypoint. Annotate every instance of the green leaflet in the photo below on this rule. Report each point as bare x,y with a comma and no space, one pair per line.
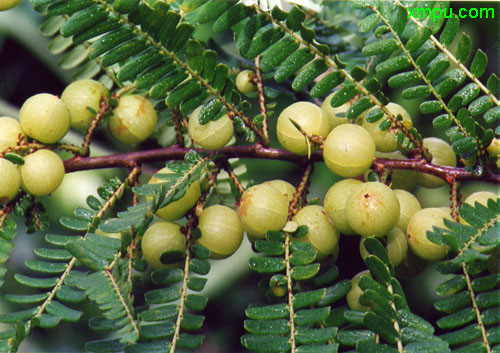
293,63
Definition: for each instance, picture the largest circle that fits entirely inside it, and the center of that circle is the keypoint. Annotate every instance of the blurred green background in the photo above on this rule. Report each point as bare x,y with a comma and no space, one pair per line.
27,68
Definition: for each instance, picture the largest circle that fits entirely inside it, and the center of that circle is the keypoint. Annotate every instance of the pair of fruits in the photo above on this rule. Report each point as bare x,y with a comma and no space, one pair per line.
220,229
41,174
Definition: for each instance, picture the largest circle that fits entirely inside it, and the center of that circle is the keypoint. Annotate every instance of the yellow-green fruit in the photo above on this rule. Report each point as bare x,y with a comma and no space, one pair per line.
321,232
82,94
336,116
262,208
133,119
45,118
397,246
221,231
348,150
335,200
177,209
408,205
419,224
494,148
438,197
353,295
42,172
442,154
385,141
9,4
112,235
10,180
285,188
159,238
244,82
214,134
481,197
372,209
311,118
405,179
10,129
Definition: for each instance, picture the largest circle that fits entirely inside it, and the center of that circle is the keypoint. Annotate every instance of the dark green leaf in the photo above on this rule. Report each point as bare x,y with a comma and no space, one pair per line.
265,343
269,327
278,52
464,48
307,75
267,264
450,31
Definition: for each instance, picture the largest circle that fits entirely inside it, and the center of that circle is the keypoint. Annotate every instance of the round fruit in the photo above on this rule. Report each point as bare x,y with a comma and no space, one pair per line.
82,94
213,135
311,118
177,209
385,141
42,172
348,150
439,197
221,231
10,180
335,200
9,4
159,238
405,179
494,148
244,82
133,119
45,118
10,129
336,116
353,295
283,187
321,232
408,205
372,209
442,154
419,224
262,208
397,246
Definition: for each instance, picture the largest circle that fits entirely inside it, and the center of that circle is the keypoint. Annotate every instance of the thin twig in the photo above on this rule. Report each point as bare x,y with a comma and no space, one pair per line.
262,98
104,106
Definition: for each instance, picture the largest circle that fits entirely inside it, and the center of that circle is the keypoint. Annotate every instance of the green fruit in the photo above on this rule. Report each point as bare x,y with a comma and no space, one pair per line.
419,224
82,94
385,141
405,179
372,209
45,118
221,231
162,237
42,172
244,82
133,119
9,4
397,246
262,208
336,116
353,295
311,118
439,197
213,135
335,200
321,232
348,150
10,181
10,129
409,205
481,197
442,154
177,209
285,188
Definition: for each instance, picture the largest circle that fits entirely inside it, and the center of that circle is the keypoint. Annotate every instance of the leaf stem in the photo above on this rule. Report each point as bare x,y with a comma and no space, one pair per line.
262,98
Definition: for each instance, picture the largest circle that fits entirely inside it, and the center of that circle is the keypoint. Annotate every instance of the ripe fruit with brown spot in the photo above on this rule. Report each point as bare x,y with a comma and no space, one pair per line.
348,150
321,232
372,209
160,238
42,172
285,188
419,224
262,208
311,119
335,201
45,118
82,94
133,120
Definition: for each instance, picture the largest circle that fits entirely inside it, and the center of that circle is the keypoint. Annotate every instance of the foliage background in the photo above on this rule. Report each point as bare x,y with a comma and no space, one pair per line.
27,68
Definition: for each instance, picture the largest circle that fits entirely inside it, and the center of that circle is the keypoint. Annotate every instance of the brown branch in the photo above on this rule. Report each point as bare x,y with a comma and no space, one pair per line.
104,106
262,99
256,151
